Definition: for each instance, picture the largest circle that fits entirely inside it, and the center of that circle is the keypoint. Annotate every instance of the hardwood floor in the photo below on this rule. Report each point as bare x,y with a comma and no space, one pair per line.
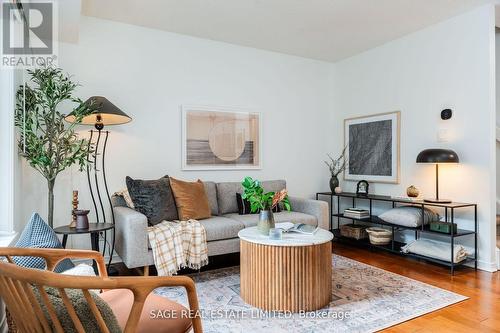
480,313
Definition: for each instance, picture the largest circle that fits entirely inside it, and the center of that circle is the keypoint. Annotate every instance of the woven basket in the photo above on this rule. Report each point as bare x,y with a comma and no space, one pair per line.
379,236
353,231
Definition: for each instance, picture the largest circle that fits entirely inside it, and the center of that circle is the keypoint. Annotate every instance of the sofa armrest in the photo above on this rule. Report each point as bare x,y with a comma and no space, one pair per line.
312,207
131,236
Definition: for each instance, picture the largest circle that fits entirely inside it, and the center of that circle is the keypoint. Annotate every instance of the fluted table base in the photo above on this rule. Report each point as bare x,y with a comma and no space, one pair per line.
286,278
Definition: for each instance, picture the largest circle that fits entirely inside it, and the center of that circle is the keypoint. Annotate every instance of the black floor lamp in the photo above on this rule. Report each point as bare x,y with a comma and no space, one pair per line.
437,156
105,114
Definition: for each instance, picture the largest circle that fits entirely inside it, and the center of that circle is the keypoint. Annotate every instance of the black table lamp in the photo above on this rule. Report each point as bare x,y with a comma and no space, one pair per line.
437,156
104,113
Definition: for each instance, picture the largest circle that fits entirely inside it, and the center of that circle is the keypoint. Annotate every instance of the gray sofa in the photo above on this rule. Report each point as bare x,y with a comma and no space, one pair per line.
132,243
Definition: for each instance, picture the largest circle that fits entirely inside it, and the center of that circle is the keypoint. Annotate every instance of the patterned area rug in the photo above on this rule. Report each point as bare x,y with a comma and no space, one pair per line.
365,299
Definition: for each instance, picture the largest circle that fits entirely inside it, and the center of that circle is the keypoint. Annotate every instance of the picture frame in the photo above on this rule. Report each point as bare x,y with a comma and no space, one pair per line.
373,147
221,138
362,188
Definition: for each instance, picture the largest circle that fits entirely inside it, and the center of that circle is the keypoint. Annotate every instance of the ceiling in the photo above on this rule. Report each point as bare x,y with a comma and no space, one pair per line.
328,30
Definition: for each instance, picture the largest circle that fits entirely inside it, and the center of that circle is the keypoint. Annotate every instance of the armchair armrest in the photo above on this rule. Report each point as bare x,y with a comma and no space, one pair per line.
131,241
54,256
13,278
312,207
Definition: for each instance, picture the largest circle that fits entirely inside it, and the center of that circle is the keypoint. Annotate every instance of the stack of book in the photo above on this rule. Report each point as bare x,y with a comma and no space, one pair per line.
357,213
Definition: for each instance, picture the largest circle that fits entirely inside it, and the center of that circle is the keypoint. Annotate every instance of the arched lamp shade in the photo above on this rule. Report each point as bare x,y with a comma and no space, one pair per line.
437,156
105,113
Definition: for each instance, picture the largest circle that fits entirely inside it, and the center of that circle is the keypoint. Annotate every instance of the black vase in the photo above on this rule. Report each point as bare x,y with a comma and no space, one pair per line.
334,182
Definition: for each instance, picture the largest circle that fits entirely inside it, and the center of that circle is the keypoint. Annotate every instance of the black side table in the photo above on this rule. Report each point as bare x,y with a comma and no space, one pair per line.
94,230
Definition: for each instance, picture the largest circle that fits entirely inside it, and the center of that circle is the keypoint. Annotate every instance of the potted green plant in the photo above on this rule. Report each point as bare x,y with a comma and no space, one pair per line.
46,141
263,202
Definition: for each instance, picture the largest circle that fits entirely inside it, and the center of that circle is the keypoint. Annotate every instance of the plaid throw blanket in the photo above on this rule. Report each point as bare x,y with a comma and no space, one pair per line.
177,245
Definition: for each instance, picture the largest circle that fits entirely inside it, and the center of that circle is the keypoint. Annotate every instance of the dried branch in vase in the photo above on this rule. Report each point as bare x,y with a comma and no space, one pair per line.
338,165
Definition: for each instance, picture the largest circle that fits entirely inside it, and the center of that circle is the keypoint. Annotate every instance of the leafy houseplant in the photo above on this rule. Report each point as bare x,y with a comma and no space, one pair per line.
263,203
336,166
46,141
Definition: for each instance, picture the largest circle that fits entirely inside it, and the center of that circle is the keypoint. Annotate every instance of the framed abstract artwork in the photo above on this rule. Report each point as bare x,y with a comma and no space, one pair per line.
373,147
220,138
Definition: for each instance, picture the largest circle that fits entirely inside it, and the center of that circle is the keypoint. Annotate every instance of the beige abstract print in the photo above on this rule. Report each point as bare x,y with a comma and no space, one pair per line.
221,139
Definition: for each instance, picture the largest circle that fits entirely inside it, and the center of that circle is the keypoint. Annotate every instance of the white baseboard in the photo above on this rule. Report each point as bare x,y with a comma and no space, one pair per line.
498,258
485,266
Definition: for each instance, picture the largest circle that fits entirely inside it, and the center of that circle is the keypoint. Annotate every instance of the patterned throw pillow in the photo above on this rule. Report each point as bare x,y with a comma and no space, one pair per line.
126,196
38,234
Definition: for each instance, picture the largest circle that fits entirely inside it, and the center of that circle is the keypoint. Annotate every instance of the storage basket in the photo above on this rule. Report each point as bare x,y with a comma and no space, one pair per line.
353,231
379,236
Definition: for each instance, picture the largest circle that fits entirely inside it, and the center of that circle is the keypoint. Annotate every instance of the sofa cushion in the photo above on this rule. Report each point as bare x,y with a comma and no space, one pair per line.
226,193
38,234
244,206
191,199
211,190
295,217
218,227
153,198
154,313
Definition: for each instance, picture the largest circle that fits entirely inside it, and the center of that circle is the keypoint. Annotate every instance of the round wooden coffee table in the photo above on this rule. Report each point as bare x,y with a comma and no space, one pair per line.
293,274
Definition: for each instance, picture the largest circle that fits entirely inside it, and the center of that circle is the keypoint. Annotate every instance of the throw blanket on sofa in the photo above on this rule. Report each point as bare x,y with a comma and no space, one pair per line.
177,245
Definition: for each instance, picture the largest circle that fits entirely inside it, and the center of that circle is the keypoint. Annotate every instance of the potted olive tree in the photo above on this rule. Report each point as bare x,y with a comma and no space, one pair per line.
46,141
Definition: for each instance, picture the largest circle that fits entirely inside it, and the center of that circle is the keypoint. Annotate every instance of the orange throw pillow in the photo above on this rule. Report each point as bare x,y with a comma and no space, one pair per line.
191,199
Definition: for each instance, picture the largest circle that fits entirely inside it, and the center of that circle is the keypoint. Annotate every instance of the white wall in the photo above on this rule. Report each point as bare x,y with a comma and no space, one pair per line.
7,152
448,65
150,73
497,91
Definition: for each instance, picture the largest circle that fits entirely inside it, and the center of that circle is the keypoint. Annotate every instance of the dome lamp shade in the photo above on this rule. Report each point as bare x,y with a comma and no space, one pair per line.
437,156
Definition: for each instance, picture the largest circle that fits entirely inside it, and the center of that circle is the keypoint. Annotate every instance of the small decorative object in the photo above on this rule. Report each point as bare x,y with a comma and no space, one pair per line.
82,220
446,114
379,236
362,188
275,233
215,138
263,203
437,156
443,227
74,203
373,147
338,190
412,191
336,166
353,231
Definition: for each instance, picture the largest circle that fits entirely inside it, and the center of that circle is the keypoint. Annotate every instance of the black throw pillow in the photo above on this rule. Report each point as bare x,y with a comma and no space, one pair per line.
153,198
244,207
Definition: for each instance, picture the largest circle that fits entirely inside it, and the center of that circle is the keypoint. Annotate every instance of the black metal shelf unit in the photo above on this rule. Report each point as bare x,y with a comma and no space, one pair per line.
395,246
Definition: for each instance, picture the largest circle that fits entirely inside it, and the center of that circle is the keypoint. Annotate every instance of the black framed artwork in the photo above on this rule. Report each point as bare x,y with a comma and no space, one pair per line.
373,148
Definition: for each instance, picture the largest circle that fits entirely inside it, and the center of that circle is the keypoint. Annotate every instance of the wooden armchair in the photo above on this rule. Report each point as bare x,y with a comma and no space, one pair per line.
15,290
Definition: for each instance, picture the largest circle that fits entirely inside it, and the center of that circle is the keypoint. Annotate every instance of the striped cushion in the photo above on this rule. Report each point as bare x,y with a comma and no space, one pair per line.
38,234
